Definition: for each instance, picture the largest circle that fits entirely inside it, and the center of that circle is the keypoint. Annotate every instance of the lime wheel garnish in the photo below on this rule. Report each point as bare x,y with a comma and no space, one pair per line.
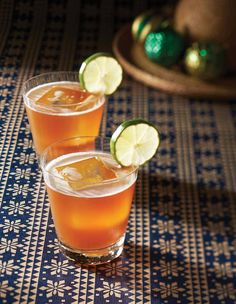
134,142
100,73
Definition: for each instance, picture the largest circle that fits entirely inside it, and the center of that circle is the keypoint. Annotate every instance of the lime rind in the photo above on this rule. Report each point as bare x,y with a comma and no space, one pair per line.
134,142
100,73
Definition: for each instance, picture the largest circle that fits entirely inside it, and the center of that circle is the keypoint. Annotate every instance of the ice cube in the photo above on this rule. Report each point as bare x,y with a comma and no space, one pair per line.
86,172
63,96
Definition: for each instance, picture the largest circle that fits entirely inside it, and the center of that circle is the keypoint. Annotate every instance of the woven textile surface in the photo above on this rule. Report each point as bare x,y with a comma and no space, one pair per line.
181,240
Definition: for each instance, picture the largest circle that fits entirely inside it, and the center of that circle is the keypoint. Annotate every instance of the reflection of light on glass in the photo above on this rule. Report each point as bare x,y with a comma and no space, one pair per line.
193,59
203,52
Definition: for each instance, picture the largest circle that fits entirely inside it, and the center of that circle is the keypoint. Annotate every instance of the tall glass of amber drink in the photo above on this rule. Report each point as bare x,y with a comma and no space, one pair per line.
57,108
90,196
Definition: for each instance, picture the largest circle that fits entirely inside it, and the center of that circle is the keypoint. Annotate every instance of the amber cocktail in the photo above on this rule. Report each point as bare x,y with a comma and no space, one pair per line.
90,197
58,108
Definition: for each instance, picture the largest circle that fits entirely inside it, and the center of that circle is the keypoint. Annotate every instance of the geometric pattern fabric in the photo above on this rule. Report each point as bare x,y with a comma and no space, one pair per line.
181,241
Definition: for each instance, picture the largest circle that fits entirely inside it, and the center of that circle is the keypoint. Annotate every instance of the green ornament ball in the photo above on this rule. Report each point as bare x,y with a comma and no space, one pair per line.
206,61
164,47
145,23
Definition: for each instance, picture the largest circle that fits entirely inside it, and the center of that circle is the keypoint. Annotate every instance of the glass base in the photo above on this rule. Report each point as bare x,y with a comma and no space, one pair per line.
94,257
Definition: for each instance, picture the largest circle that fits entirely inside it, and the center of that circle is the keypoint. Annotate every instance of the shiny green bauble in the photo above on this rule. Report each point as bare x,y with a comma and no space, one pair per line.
164,47
144,23
206,61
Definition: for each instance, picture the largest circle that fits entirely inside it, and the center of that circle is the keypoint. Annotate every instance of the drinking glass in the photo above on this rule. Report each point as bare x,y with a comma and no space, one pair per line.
53,122
90,213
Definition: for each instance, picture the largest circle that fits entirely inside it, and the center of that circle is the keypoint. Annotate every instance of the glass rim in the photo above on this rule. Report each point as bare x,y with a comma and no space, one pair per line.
42,158
27,101
50,73
45,74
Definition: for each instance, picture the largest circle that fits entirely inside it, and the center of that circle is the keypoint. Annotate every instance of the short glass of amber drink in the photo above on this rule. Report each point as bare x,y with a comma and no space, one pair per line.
58,108
90,196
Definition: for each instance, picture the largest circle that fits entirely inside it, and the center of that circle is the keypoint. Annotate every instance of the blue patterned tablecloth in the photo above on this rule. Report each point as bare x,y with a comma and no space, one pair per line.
181,240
